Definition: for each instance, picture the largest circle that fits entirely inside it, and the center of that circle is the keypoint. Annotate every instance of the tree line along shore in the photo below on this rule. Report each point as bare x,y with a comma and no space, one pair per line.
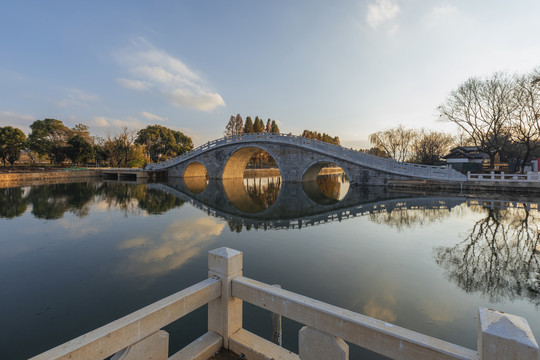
498,114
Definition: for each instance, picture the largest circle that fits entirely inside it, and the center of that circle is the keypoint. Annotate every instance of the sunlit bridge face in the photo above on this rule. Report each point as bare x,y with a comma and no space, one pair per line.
325,183
196,177
253,180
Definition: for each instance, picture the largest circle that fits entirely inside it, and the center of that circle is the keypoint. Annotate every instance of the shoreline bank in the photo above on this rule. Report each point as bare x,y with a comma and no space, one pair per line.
45,177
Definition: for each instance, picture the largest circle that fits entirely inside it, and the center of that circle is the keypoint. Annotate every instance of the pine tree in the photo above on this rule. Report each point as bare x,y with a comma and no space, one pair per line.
248,126
238,125
268,125
258,125
275,128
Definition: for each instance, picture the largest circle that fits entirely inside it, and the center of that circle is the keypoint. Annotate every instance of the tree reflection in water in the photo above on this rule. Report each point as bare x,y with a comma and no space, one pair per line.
499,258
263,191
403,217
12,202
328,189
51,202
132,198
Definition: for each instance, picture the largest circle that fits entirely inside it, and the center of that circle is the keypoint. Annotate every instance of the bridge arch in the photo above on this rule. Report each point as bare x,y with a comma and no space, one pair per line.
313,169
237,161
195,169
325,191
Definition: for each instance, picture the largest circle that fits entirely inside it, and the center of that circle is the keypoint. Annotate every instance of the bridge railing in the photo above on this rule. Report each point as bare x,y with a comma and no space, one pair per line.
528,177
358,157
138,335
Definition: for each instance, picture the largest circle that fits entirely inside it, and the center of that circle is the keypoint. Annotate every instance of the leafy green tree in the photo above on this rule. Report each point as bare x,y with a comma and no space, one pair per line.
80,150
49,137
12,141
83,131
248,126
161,142
183,142
158,141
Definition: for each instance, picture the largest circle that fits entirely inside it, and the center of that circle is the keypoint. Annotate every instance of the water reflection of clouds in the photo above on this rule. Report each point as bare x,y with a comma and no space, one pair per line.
181,241
77,229
379,308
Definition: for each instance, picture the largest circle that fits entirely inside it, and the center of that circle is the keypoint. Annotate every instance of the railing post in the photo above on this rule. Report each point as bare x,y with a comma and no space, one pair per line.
504,336
225,312
492,175
317,345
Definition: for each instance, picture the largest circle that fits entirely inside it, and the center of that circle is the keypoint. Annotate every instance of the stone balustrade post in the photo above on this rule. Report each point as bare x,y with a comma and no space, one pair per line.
317,345
225,312
504,336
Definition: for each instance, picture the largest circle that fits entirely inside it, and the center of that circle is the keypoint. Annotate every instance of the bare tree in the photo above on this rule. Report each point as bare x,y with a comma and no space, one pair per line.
525,122
482,108
430,146
229,128
235,126
396,142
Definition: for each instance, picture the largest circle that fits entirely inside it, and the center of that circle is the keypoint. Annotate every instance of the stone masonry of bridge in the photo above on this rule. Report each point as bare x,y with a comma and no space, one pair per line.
299,159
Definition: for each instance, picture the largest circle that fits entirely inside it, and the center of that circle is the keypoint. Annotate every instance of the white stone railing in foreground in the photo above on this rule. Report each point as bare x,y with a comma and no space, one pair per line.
351,155
328,328
528,177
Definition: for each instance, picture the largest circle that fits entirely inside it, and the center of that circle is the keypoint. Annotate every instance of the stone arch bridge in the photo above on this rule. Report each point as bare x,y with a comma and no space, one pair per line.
299,159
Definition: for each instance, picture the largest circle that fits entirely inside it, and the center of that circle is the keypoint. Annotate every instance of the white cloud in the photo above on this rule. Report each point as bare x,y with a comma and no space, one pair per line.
101,121
76,97
130,122
440,14
201,100
155,69
133,84
152,117
381,12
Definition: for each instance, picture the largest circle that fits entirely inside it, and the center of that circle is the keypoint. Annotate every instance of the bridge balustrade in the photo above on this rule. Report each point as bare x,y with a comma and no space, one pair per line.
337,151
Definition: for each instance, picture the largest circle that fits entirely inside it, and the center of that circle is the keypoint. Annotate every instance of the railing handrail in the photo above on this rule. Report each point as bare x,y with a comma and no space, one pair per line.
117,335
358,157
369,333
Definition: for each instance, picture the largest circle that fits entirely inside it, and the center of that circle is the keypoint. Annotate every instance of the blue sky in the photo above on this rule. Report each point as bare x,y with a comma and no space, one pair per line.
347,68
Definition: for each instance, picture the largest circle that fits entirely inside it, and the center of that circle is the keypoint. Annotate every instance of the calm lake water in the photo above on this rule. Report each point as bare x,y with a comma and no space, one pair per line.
76,256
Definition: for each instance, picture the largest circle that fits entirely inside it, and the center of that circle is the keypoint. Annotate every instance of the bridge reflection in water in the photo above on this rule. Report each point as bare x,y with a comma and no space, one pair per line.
270,204
499,257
